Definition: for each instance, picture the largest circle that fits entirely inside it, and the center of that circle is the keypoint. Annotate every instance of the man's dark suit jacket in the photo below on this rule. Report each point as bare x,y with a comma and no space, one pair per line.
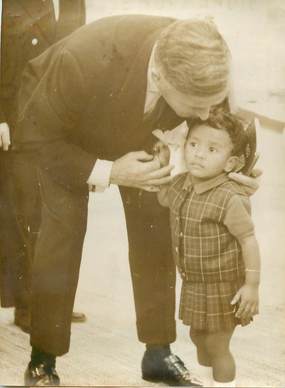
84,98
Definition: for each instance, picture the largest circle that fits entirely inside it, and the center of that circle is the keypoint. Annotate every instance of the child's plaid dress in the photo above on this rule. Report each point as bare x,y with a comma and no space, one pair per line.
207,221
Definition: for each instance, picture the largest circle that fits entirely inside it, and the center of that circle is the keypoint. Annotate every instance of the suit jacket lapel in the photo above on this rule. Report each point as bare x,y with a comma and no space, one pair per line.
133,92
128,107
128,104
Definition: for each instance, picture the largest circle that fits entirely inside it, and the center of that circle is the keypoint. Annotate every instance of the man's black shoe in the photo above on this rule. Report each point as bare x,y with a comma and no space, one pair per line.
169,370
41,375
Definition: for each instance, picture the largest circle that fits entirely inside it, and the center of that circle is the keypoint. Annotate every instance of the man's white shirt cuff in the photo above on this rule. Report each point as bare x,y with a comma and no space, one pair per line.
100,175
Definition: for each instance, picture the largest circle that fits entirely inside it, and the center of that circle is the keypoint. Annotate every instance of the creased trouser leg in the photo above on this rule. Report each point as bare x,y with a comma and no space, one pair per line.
152,266
56,265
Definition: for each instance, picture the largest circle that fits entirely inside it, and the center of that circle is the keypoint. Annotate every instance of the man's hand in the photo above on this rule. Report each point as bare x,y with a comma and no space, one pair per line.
250,183
161,151
141,170
4,136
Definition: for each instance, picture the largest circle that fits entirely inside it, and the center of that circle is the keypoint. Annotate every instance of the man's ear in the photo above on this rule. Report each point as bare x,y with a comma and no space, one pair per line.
234,164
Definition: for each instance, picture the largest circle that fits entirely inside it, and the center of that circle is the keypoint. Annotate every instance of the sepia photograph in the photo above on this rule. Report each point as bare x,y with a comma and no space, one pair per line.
142,186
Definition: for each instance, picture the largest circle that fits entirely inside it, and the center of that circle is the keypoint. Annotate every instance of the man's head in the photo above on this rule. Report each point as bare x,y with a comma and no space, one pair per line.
215,145
192,67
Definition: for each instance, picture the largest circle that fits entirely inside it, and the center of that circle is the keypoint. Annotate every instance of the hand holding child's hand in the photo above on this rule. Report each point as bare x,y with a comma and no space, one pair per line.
250,183
247,295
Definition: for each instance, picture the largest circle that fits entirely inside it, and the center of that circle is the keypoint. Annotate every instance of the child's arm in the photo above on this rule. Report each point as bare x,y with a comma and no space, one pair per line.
162,196
240,225
248,293
161,152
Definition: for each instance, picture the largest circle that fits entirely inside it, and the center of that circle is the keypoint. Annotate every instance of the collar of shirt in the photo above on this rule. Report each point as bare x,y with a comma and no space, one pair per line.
56,8
152,92
204,186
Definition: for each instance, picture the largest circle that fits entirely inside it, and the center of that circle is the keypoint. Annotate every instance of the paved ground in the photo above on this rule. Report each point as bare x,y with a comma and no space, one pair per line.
105,350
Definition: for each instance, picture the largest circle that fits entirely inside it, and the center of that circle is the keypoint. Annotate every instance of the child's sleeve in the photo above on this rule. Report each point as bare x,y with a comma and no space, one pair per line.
238,218
162,196
165,194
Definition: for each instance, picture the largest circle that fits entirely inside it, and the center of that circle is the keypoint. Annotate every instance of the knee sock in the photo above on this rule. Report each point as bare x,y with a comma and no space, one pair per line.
39,357
228,384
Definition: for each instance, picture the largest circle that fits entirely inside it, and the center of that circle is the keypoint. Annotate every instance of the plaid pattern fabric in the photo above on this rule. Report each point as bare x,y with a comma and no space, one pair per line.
207,306
208,257
203,248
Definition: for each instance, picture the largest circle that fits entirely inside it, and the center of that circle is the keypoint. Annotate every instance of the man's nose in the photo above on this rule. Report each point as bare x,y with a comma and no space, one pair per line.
203,114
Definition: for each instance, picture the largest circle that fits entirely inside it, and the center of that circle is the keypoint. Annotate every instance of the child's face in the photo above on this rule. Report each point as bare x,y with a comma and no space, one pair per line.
208,152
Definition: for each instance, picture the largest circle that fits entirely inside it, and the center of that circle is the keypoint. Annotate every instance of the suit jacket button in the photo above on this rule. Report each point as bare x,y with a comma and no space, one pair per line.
35,41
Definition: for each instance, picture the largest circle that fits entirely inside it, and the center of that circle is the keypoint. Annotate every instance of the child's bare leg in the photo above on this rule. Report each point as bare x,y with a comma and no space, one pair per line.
198,338
218,348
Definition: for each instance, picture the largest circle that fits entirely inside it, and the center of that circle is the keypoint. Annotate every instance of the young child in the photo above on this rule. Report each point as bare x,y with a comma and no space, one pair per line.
213,239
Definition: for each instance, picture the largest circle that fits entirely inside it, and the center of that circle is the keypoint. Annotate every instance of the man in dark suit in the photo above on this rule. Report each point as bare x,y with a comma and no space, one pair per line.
27,29
88,106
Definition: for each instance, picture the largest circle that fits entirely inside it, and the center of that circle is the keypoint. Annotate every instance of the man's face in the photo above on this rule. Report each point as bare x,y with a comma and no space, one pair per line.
207,151
187,105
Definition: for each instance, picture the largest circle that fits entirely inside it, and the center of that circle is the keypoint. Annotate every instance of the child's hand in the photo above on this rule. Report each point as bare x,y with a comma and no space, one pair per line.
247,295
245,322
161,151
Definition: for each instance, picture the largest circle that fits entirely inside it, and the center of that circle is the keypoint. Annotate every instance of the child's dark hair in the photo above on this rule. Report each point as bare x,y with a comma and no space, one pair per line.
219,118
